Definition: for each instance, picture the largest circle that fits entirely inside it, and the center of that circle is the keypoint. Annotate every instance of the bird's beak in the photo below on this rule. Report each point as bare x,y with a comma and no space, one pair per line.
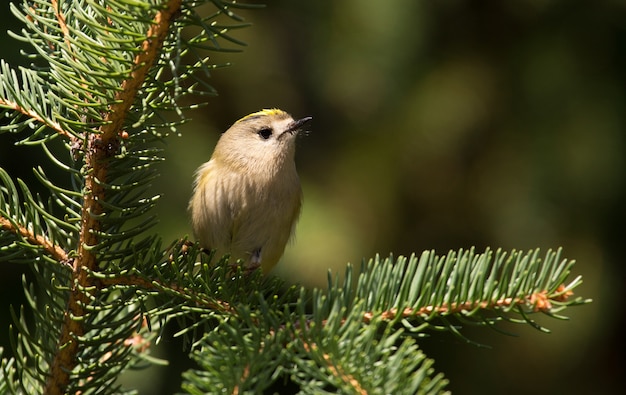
296,126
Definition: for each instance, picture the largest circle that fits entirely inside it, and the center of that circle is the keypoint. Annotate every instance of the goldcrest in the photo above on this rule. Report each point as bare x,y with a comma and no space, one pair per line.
247,197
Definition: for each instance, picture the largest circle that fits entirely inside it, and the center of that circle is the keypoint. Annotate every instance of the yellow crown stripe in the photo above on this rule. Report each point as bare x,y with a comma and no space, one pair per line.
264,112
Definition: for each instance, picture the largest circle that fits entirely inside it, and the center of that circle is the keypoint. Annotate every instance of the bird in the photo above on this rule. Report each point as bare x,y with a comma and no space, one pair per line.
247,198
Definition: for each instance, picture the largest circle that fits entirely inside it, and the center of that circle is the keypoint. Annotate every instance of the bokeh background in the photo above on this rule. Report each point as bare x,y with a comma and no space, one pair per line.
437,125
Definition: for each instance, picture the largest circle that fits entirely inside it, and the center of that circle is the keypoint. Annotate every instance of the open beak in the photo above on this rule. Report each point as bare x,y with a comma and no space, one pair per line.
296,126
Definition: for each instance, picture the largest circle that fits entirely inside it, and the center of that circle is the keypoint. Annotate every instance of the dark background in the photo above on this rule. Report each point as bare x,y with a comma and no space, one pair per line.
437,125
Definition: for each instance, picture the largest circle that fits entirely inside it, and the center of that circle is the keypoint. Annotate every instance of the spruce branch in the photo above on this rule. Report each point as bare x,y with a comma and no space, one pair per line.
95,166
32,107
142,64
538,302
184,293
428,291
53,250
100,90
107,288
40,232
61,23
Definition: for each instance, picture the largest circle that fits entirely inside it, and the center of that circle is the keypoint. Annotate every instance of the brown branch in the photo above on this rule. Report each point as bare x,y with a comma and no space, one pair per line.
96,156
134,280
29,112
143,62
32,114
540,301
337,371
244,377
62,24
53,250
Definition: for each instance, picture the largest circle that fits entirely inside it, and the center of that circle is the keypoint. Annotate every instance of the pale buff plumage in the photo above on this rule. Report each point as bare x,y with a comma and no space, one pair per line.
247,197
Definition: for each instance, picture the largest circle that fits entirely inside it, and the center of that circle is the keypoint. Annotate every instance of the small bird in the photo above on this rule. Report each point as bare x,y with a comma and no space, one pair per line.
247,197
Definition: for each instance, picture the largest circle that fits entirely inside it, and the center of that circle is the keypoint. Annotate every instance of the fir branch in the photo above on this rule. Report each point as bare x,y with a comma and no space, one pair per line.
199,299
465,285
335,368
150,50
56,252
62,25
31,113
538,301
244,377
96,155
356,339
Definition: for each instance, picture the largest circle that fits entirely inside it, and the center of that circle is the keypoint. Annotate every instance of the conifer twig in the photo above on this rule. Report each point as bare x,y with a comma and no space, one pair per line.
336,370
98,150
540,302
137,281
53,250
62,25
33,115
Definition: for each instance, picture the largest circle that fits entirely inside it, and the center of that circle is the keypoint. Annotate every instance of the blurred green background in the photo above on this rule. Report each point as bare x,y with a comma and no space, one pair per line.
437,125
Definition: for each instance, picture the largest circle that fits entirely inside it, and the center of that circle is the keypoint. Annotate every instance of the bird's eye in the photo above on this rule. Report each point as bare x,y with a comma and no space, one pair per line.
265,133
